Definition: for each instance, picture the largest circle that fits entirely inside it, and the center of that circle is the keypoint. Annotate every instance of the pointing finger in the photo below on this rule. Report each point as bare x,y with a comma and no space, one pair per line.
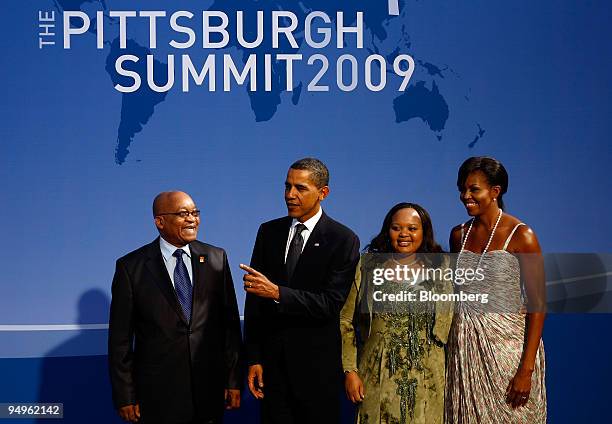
250,270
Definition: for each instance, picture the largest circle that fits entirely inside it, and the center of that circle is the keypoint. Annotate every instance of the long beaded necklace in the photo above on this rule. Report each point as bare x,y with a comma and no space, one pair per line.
488,242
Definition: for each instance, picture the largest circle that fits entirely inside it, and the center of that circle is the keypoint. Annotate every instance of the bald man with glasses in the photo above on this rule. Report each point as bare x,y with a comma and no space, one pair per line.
174,333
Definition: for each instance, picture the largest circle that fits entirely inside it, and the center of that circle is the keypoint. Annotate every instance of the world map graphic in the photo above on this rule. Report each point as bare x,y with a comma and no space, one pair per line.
422,98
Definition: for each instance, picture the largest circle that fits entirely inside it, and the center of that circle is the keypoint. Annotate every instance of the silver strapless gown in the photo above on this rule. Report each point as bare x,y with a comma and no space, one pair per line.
485,348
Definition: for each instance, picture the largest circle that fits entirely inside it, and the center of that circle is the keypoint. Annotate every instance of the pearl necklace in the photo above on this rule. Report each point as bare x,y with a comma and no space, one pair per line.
488,242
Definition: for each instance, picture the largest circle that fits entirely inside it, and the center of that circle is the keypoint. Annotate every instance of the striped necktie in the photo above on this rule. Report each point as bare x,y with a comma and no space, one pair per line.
182,284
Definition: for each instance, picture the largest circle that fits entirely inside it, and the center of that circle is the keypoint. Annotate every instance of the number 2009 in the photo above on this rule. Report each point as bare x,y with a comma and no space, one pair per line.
373,64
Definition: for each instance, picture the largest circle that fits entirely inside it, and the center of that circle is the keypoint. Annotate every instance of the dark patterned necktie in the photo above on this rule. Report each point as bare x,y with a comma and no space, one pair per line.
182,283
295,250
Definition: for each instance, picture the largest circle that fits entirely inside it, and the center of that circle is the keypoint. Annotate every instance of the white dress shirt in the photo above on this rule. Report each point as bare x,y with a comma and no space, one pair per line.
310,224
167,251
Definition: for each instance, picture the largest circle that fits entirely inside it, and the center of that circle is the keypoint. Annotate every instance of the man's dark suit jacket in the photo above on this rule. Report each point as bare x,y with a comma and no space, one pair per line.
302,330
177,371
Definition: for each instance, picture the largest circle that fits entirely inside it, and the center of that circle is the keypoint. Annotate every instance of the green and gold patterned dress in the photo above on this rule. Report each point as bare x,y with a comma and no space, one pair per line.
397,350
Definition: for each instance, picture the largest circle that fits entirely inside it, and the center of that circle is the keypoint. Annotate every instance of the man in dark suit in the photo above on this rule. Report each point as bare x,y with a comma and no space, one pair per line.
174,334
300,274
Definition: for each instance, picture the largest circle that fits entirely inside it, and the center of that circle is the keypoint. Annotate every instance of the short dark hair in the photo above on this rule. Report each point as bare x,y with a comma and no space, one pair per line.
319,174
493,170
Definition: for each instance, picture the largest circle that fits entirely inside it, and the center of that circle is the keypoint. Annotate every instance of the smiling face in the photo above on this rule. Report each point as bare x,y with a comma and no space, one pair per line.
477,194
406,231
174,229
302,196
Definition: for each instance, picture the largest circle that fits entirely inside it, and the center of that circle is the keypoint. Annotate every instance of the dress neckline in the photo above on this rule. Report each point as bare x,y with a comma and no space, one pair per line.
488,251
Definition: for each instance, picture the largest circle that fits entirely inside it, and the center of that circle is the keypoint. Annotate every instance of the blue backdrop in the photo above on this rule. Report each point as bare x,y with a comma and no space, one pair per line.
526,82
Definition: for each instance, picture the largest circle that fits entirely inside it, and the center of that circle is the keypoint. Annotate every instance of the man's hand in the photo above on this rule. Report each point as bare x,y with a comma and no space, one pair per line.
232,398
130,413
255,380
258,284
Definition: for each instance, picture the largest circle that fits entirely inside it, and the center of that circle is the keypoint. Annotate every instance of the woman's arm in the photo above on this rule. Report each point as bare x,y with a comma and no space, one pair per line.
347,329
444,309
532,276
352,383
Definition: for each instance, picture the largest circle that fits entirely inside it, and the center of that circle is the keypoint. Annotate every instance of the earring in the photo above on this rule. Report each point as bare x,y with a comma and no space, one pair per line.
495,199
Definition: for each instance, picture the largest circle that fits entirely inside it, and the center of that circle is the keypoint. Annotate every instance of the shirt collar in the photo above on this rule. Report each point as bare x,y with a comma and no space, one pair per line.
311,222
168,249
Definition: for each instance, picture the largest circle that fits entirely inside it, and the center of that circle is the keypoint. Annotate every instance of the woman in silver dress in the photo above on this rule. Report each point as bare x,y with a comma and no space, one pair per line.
495,359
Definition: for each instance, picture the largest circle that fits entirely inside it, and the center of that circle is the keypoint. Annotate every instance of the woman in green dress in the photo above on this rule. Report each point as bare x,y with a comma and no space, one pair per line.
393,351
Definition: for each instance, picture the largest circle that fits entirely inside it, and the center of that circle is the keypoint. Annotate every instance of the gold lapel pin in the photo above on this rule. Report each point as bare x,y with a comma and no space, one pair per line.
202,259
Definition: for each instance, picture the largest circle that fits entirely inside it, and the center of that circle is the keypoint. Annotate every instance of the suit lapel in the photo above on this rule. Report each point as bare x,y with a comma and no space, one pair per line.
316,240
202,274
157,269
280,243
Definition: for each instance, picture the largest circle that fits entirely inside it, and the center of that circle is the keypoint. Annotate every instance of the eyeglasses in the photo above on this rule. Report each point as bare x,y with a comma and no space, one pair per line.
183,214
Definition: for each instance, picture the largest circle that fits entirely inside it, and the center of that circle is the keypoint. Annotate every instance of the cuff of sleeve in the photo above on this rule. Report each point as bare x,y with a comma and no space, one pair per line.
253,357
282,295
